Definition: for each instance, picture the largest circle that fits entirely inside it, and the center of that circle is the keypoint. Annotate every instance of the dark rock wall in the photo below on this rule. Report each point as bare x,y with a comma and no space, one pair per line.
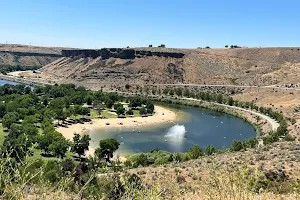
118,53
31,54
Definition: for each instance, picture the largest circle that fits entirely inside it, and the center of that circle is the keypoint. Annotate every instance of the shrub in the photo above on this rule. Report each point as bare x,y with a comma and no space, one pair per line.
129,112
210,150
195,152
135,181
180,179
67,165
236,145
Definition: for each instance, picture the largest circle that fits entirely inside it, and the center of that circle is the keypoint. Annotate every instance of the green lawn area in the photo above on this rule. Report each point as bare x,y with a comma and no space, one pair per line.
136,113
37,155
2,134
104,113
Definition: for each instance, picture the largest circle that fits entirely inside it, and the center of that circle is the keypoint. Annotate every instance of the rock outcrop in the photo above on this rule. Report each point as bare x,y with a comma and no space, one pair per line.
106,53
15,53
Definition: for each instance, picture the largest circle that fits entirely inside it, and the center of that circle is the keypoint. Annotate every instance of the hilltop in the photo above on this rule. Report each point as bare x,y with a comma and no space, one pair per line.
240,66
25,55
224,66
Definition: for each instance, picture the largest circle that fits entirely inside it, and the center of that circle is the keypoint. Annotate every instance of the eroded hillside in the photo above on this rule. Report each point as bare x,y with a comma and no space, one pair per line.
15,54
242,66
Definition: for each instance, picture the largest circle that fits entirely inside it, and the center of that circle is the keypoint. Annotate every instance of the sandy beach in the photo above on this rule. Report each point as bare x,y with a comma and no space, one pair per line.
162,115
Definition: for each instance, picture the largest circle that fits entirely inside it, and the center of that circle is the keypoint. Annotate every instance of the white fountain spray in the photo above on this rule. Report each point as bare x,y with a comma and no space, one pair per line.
176,131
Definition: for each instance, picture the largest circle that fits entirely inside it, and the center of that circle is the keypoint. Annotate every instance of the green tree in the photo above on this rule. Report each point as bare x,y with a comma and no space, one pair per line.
150,107
171,92
230,101
29,129
9,119
141,160
178,92
251,143
60,147
166,91
80,144
98,106
107,148
143,111
89,100
2,110
129,112
210,150
27,90
186,92
68,165
236,145
120,110
17,148
45,102
109,103
219,98
195,152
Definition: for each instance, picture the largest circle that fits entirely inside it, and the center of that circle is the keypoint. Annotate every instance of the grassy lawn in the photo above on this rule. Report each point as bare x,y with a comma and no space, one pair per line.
37,155
136,113
2,134
106,114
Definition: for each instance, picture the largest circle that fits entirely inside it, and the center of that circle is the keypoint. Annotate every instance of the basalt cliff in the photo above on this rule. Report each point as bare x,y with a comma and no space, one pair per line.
118,66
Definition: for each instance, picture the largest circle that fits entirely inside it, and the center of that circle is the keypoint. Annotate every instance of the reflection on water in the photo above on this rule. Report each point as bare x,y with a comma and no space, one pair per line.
202,127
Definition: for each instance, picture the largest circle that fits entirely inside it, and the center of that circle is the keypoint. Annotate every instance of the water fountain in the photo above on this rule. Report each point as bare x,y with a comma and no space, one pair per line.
176,131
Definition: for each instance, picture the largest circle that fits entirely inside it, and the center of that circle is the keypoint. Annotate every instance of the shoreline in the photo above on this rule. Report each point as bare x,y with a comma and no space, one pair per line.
161,115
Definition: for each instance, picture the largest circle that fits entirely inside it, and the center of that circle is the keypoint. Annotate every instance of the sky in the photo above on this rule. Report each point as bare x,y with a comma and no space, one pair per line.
139,23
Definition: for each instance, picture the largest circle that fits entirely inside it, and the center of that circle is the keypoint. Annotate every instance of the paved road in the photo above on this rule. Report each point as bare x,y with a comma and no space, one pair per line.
272,122
236,86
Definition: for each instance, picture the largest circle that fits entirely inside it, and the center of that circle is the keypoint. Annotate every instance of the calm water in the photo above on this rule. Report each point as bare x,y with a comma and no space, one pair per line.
201,127
3,82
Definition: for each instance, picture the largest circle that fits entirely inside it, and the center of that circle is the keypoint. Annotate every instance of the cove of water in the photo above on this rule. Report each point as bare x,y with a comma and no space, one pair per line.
198,126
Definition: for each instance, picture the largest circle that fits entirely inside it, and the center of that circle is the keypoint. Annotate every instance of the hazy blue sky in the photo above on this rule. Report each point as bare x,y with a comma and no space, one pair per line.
176,23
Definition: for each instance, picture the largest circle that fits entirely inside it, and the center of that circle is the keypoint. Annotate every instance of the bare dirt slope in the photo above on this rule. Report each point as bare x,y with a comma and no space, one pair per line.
16,54
242,66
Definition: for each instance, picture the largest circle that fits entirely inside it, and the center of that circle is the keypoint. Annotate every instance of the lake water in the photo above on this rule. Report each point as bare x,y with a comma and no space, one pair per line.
3,82
197,126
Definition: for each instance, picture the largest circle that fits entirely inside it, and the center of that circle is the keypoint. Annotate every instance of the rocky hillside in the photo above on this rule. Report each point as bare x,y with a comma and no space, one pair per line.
14,54
241,66
118,66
